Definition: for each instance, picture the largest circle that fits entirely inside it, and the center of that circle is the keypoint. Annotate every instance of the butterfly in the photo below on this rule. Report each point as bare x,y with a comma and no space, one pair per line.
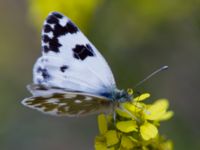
71,78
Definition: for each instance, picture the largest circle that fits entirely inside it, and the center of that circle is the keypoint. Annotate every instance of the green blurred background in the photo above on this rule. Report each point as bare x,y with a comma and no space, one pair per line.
135,36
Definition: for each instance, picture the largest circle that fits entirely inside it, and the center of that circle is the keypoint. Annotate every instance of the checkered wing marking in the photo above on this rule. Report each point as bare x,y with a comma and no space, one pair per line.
69,60
68,104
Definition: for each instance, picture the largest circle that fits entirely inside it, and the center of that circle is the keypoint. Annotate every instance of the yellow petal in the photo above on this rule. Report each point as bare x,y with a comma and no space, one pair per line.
123,113
102,124
111,137
127,126
100,143
100,147
142,97
157,110
133,107
166,116
148,131
126,143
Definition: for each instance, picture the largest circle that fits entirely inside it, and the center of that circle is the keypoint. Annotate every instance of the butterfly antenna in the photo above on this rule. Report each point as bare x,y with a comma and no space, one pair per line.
151,75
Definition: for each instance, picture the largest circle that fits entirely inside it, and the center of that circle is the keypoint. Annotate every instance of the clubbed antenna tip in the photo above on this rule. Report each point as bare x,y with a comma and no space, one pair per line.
152,74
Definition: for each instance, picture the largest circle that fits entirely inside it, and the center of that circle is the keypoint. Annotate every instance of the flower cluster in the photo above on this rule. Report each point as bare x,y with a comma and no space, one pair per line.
135,126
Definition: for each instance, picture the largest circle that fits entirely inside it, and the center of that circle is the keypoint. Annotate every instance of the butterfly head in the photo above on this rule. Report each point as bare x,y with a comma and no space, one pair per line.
123,95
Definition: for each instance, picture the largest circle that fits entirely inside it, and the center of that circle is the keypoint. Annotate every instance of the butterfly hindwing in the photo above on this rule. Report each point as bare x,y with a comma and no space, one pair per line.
69,60
68,104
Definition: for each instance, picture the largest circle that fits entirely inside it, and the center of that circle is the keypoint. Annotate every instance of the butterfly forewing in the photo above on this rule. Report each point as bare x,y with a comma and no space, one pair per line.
68,104
69,60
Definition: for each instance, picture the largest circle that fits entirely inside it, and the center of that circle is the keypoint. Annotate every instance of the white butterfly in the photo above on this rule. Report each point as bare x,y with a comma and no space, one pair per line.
71,78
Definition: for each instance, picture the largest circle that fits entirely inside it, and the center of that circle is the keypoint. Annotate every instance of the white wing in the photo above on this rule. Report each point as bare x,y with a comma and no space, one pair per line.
70,61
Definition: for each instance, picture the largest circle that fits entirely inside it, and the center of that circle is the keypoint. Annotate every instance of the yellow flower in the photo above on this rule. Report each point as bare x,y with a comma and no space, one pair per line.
135,126
136,106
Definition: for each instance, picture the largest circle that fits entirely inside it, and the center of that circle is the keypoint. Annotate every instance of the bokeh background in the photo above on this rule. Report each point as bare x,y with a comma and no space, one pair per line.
135,36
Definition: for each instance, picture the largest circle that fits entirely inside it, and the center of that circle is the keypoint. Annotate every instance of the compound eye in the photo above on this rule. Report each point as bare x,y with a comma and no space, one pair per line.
130,91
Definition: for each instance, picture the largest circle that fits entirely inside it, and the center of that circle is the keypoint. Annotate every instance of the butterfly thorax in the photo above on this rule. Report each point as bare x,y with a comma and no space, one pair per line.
122,96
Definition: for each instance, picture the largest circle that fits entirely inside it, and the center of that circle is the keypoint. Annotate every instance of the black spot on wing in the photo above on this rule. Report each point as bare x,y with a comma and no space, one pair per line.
47,28
82,51
71,28
45,49
39,81
64,68
52,19
44,73
53,25
46,39
58,15
52,42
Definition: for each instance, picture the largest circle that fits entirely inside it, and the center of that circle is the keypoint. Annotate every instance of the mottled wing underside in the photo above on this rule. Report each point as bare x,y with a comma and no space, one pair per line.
68,104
